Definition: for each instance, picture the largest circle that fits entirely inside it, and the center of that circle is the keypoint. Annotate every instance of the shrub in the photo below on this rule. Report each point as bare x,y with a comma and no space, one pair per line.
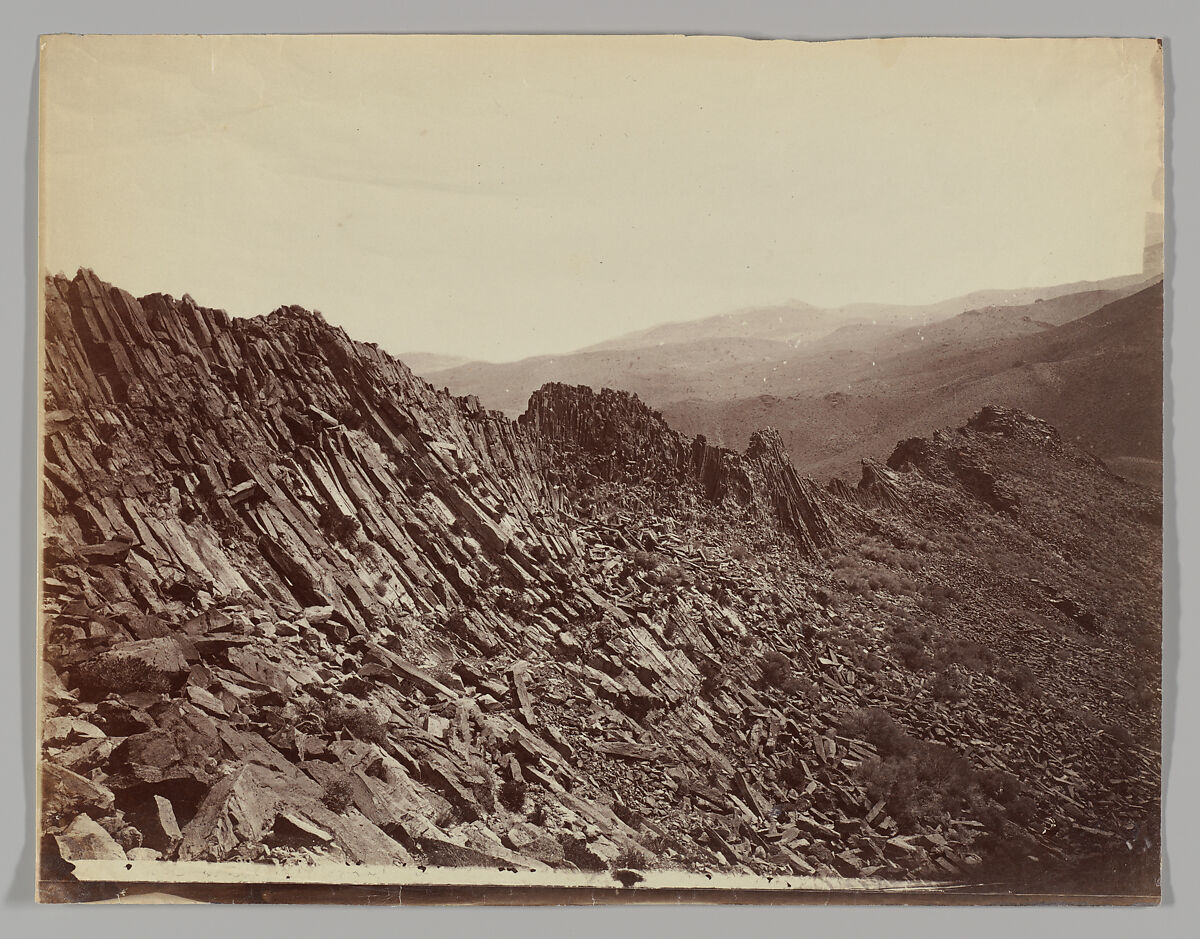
349,415
792,774
856,583
1021,809
122,674
337,524
776,667
947,686
936,598
801,687
913,657
512,794
876,726
1020,678
712,676
337,794
1142,695
605,630
922,782
515,604
646,560
965,652
668,575
908,644
576,851
929,782
930,605
630,859
456,621
999,785
361,724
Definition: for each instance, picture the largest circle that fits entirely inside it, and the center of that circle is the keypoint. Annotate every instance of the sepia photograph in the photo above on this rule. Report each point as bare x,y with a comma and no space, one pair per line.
600,469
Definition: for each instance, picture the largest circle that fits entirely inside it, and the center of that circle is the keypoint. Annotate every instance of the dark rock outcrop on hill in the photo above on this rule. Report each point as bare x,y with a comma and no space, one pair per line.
297,605
611,435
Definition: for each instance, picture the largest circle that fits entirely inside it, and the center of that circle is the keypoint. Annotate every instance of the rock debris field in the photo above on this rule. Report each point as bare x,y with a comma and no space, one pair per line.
299,607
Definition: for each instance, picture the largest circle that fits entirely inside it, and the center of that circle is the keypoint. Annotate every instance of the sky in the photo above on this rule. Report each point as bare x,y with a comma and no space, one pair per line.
500,197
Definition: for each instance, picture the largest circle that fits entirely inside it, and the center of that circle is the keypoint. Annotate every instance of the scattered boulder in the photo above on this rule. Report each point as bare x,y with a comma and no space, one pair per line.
313,608
85,840
65,792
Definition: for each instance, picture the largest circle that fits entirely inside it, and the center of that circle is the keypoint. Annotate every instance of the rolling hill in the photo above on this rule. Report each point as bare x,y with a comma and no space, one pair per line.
1097,377
839,384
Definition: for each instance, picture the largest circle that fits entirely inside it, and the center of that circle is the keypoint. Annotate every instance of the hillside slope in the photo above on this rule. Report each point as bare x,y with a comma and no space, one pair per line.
785,350
300,607
1097,377
797,323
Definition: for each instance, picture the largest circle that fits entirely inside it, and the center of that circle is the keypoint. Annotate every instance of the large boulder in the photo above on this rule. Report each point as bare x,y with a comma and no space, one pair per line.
65,793
60,731
85,840
238,809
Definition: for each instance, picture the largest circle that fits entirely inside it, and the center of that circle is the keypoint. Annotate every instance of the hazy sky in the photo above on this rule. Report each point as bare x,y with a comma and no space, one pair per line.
506,196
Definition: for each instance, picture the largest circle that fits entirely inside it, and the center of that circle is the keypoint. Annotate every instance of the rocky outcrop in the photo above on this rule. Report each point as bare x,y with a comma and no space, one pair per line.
298,605
611,435
184,435
1015,424
958,457
879,486
223,554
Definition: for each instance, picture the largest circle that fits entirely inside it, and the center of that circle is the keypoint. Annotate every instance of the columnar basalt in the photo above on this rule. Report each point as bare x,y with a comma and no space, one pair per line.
612,435
299,606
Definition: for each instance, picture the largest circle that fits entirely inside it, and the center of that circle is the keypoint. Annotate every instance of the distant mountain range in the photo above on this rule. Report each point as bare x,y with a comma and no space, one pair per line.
430,362
840,384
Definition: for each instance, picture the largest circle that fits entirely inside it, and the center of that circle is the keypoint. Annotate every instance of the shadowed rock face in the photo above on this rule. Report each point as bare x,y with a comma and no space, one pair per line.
299,604
232,421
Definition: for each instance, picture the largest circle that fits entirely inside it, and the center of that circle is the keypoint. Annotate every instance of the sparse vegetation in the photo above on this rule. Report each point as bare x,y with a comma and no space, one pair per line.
922,782
339,526
693,657
359,723
512,794
122,674
777,673
337,794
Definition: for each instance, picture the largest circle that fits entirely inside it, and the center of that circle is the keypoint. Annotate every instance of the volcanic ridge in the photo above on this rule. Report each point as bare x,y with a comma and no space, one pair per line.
298,606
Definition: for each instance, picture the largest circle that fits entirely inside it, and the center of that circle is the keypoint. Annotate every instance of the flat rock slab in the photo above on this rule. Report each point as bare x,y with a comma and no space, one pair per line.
85,840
